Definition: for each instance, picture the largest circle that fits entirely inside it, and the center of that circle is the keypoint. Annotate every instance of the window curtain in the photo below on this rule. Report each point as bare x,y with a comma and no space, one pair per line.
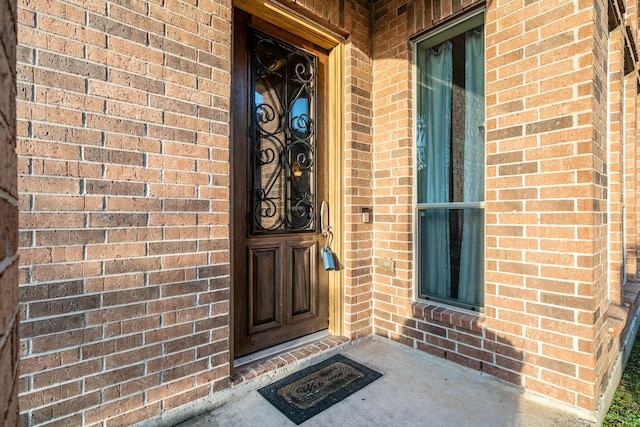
434,178
470,289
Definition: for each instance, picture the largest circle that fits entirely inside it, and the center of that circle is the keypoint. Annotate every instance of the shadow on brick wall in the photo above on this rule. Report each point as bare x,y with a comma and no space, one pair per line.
475,350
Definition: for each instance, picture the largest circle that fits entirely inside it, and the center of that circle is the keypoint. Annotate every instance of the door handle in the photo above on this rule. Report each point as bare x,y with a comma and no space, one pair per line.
327,255
324,227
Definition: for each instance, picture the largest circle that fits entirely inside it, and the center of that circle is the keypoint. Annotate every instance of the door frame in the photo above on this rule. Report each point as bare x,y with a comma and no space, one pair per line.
293,23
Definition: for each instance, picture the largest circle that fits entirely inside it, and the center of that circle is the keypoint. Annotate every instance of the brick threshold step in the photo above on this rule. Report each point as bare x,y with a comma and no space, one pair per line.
292,354
255,371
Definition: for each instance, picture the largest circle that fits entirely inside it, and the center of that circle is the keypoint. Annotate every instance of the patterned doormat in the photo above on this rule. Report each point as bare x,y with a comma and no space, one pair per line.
310,391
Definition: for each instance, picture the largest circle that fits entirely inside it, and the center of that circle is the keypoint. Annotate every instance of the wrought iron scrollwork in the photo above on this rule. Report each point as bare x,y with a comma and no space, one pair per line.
283,136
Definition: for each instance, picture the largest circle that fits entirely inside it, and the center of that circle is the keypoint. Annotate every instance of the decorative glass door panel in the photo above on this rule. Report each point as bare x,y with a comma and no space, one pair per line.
279,173
283,197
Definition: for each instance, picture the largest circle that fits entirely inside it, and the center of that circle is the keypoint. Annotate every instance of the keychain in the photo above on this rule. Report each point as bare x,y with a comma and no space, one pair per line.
327,254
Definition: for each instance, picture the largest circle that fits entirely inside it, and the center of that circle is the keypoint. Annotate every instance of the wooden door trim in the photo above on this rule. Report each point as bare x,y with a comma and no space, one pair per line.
289,21
336,183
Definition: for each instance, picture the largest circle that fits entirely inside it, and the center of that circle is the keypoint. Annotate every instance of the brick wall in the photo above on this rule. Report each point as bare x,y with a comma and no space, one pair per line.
622,159
590,302
622,187
358,167
631,158
616,156
547,268
123,131
9,313
123,111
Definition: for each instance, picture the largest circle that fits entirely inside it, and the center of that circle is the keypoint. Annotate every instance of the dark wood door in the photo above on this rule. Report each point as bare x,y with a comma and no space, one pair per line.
279,148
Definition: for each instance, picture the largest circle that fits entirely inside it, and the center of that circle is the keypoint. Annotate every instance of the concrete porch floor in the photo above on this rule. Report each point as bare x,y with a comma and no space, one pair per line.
415,389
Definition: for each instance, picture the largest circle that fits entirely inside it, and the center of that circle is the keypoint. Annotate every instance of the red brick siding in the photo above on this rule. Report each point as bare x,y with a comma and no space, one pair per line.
615,160
358,153
124,178
123,172
546,265
9,312
631,157
123,140
329,13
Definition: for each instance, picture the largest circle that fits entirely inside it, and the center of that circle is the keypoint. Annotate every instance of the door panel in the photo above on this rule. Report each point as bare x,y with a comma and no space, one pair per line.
279,151
264,298
303,283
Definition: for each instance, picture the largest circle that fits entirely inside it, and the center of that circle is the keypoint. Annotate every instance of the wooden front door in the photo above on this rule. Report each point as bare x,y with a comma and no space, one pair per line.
279,149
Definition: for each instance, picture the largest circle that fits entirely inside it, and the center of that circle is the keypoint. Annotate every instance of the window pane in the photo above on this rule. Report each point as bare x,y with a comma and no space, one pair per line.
451,254
283,138
450,123
450,164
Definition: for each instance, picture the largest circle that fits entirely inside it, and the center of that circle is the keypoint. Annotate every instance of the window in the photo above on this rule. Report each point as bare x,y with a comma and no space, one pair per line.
450,165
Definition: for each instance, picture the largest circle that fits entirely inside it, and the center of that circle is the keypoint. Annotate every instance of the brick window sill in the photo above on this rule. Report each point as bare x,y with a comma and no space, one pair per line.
616,319
448,316
619,316
631,295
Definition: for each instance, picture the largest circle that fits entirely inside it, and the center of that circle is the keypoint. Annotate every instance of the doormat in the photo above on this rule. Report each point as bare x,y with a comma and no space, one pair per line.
310,391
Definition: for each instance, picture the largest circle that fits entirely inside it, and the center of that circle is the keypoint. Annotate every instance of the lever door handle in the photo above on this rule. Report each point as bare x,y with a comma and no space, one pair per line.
324,226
